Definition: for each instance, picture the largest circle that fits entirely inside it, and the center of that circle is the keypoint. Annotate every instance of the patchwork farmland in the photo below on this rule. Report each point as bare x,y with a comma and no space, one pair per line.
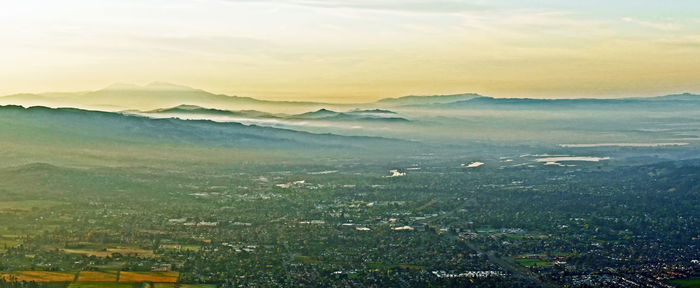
89,279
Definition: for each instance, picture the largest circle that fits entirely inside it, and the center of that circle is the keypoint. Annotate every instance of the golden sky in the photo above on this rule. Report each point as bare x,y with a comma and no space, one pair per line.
354,50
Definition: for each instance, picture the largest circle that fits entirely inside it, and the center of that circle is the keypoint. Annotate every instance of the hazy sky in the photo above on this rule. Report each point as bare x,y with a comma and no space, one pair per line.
355,50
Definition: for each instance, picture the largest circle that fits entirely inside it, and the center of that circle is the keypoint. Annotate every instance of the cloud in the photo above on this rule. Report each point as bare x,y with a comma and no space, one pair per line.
657,25
211,44
417,6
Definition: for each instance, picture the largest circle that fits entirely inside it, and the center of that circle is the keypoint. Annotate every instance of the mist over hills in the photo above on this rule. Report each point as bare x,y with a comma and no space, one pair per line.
77,130
323,114
194,109
438,119
352,116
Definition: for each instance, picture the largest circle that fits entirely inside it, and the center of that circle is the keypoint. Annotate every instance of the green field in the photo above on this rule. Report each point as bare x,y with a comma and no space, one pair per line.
693,282
100,285
8,243
533,262
171,285
28,205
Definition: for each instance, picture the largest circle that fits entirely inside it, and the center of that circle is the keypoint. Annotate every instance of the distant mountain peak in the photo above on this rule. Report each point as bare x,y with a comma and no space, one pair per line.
188,107
372,111
319,113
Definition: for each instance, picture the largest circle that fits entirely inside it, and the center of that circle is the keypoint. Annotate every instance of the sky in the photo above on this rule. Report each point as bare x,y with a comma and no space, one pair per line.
355,50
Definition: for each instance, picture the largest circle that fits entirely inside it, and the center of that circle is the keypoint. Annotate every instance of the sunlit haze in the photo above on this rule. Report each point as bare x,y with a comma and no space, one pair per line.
354,51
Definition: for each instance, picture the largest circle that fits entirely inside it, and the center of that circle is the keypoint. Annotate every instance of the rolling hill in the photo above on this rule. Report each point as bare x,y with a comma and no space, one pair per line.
651,103
423,100
197,110
70,130
352,116
318,115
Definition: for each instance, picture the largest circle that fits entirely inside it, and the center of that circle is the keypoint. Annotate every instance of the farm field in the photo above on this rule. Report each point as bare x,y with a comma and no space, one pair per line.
180,247
172,285
693,282
97,276
101,285
38,276
7,243
109,251
159,277
530,262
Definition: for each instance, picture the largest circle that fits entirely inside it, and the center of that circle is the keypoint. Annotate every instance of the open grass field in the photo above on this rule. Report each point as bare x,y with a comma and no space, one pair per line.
95,276
8,243
191,247
159,277
693,282
172,285
527,262
28,205
525,236
39,276
426,205
100,285
180,247
109,251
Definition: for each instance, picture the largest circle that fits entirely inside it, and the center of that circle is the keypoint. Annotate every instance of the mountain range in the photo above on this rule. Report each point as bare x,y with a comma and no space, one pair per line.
159,95
686,100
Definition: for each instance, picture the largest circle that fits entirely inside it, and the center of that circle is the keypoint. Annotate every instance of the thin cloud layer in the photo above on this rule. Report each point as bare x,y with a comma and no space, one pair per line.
422,6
